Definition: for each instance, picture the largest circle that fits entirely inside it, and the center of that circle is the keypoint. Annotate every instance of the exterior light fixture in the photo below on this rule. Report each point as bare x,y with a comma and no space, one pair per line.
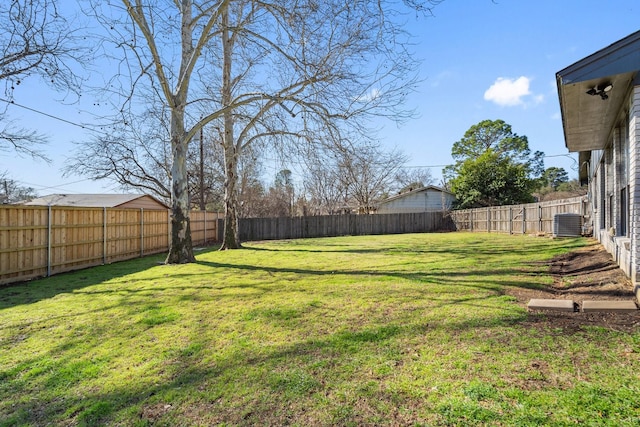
602,89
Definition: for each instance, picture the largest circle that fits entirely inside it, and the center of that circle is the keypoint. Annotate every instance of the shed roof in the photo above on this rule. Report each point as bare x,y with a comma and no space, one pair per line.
416,191
588,120
95,200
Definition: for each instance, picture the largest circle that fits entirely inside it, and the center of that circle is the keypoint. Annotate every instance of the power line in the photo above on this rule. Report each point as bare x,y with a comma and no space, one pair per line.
40,187
423,166
558,155
52,116
55,186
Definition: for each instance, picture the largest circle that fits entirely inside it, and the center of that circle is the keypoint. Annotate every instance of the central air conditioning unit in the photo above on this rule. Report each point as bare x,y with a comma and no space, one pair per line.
567,225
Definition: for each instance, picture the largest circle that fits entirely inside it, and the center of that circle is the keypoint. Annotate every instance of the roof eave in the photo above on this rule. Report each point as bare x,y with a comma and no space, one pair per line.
587,120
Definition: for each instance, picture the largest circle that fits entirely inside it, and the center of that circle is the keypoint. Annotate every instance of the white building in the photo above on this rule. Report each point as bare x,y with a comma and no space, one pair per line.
424,199
600,104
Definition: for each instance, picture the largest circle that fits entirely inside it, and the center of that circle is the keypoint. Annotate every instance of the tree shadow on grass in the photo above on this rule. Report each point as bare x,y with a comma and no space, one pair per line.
468,249
490,279
40,289
276,376
271,374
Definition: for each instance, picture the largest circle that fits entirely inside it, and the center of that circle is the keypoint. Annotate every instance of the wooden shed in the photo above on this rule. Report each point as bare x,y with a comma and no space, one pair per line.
121,201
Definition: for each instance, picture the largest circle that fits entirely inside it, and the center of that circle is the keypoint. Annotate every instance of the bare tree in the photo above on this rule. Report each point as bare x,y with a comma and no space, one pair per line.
134,155
14,138
206,178
357,176
369,173
284,192
35,40
322,186
12,192
145,36
286,71
411,179
326,67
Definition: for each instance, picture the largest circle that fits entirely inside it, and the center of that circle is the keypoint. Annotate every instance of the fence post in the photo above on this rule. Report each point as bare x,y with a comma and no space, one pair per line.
49,242
488,220
205,229
540,218
524,220
141,232
104,235
510,220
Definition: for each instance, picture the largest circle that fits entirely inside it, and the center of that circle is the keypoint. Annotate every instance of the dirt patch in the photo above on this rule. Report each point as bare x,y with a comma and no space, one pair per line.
152,413
585,274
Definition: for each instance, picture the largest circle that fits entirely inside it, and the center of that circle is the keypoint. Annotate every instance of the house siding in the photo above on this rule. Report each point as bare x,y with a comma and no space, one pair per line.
634,182
420,201
607,135
617,180
615,175
616,223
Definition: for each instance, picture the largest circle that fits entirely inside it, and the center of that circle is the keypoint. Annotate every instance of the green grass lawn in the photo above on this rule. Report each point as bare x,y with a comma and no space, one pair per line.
376,330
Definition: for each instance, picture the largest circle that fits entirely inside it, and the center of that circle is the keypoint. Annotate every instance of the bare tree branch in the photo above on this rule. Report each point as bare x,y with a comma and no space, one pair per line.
280,72
35,40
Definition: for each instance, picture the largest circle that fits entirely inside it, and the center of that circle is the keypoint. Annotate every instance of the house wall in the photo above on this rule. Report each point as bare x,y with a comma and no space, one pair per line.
615,189
634,182
424,201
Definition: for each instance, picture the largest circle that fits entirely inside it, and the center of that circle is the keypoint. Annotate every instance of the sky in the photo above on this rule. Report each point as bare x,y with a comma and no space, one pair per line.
480,59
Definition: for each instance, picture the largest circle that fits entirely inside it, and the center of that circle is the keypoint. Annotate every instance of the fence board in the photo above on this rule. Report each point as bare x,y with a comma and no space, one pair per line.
37,241
252,229
518,219
204,227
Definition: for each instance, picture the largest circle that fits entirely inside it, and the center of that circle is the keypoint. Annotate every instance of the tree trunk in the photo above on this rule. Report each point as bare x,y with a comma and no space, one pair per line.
203,205
231,151
181,247
231,230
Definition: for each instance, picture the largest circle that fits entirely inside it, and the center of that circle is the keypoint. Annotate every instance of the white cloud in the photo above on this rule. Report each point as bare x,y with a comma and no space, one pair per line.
510,92
370,96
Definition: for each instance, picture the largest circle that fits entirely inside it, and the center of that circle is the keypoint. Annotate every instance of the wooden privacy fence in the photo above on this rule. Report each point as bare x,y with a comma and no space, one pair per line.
37,241
252,229
518,219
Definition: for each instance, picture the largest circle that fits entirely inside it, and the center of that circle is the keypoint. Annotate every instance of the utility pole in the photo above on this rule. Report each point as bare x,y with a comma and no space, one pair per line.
6,192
